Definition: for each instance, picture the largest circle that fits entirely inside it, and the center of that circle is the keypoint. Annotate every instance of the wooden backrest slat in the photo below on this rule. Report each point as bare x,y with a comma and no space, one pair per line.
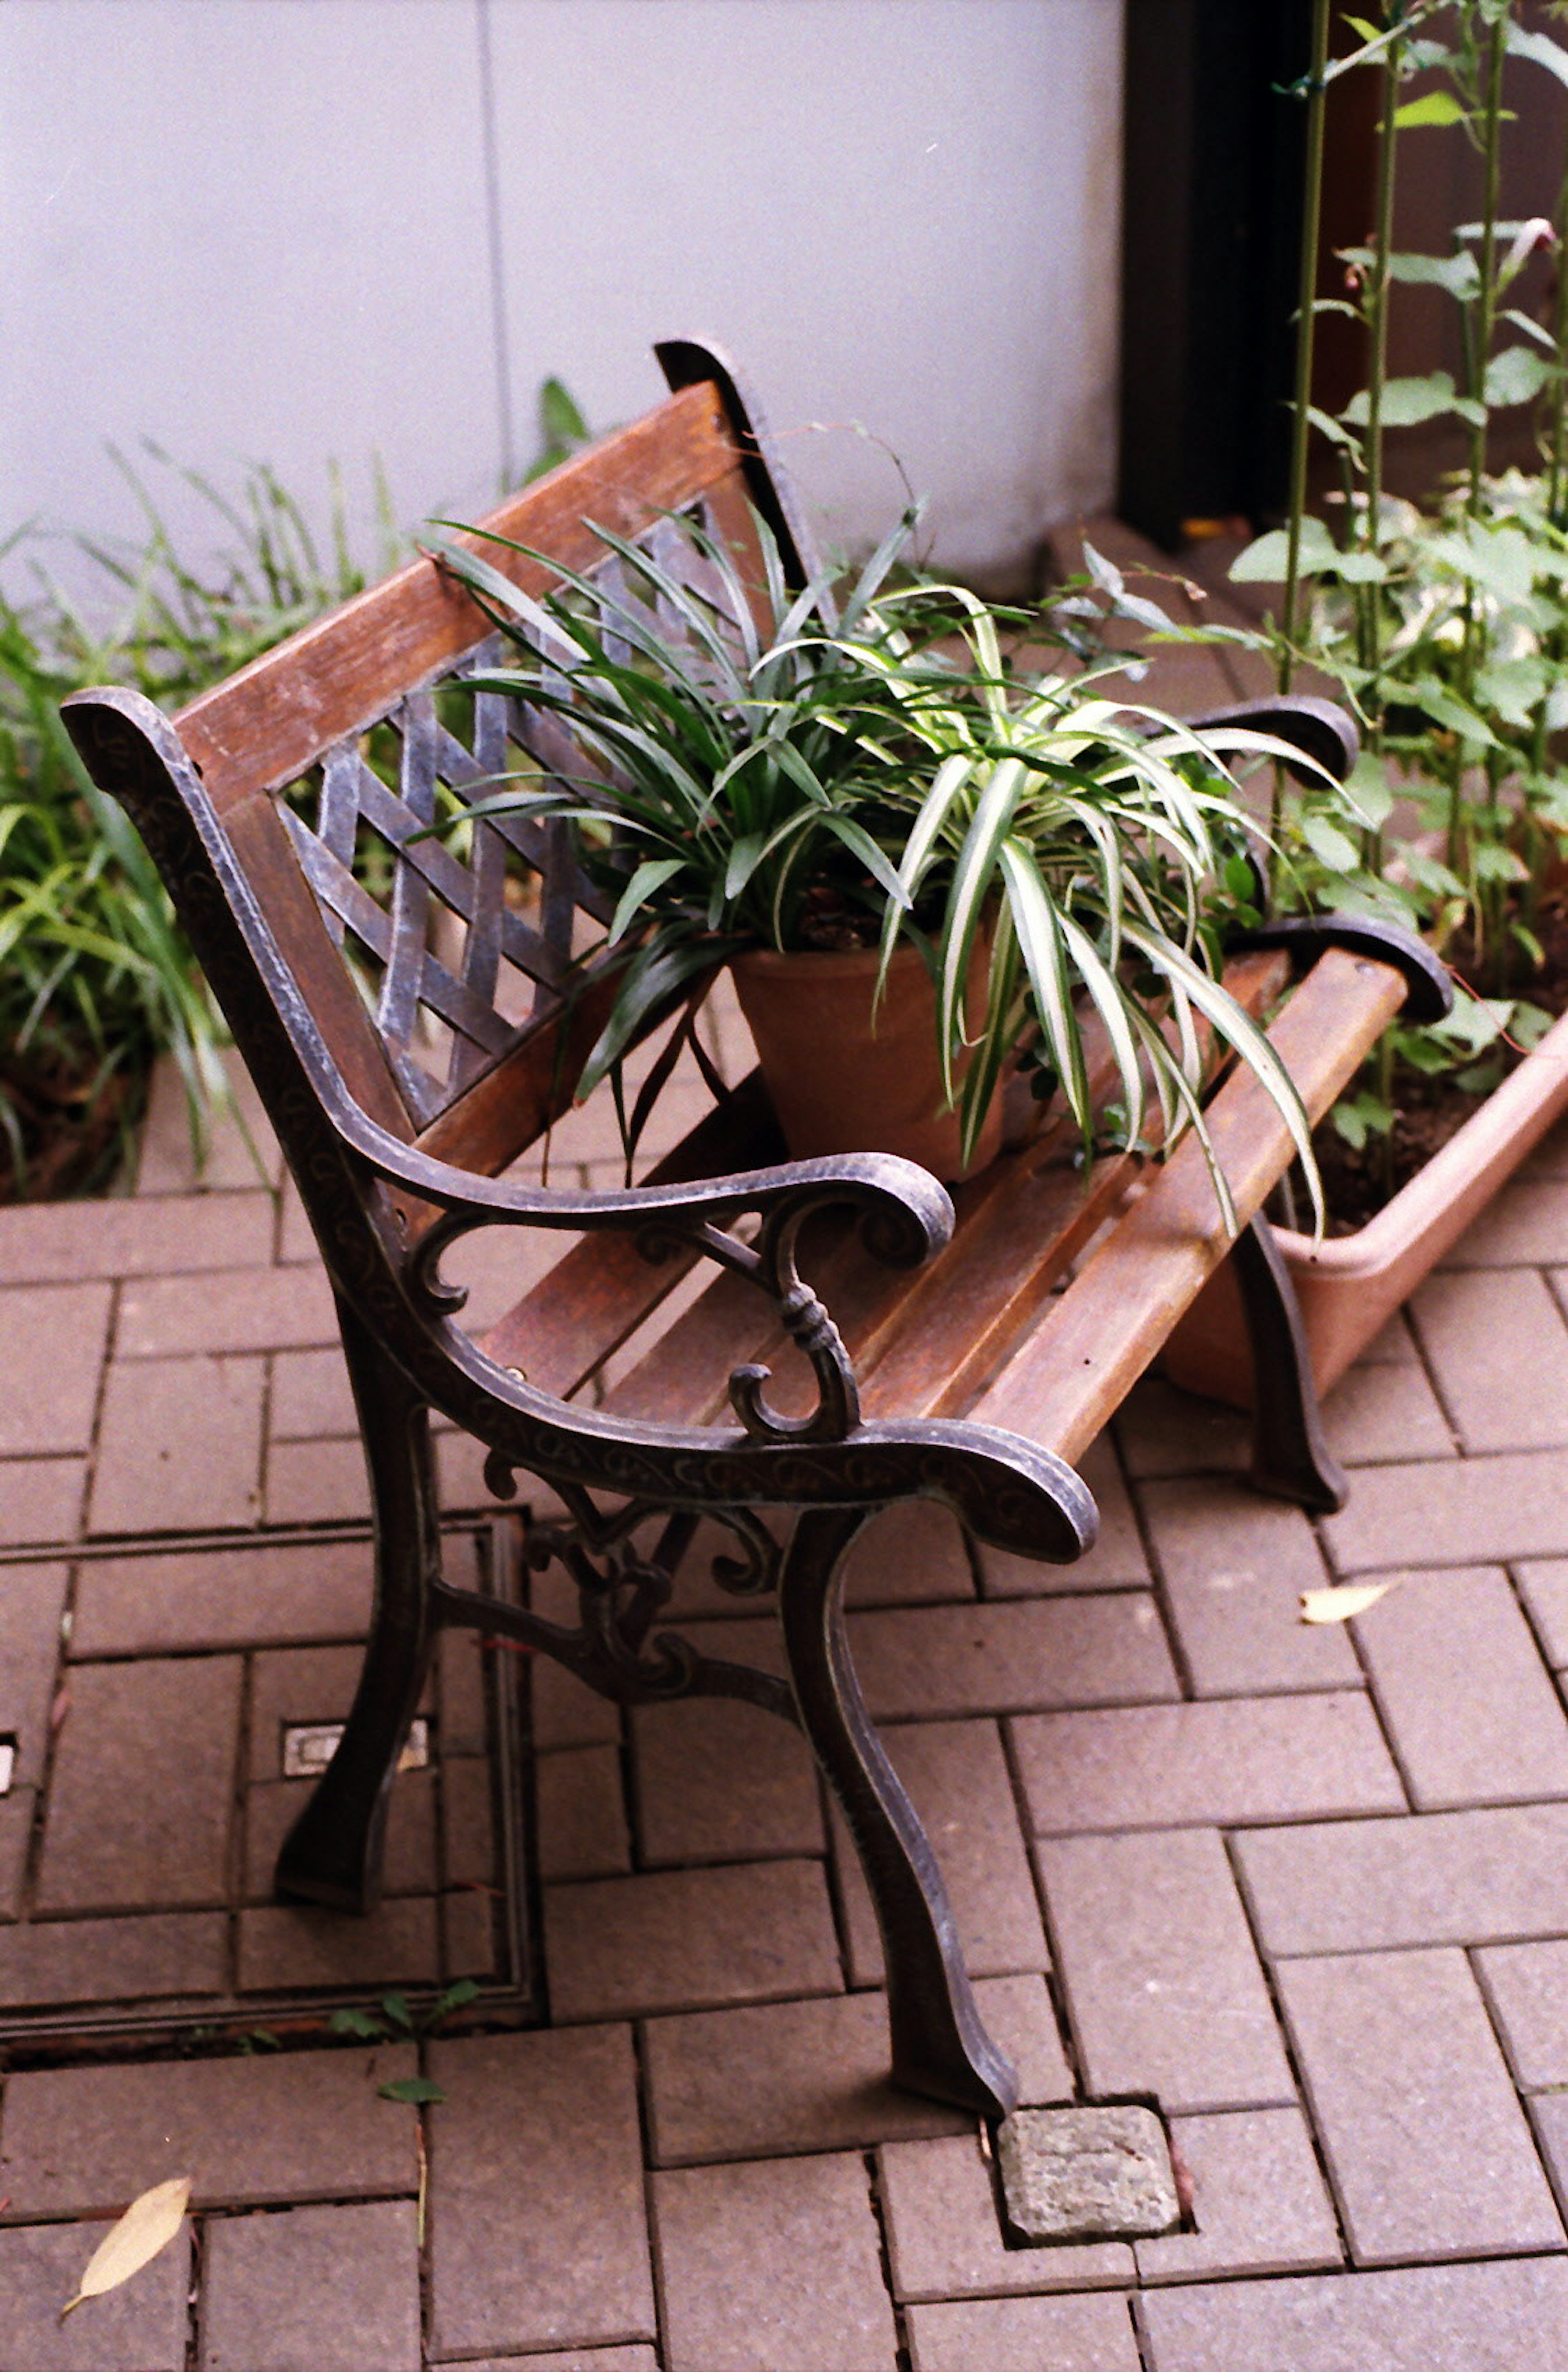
268,724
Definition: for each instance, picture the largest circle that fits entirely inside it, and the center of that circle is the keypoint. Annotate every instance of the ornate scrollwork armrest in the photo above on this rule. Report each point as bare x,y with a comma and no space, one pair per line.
904,1216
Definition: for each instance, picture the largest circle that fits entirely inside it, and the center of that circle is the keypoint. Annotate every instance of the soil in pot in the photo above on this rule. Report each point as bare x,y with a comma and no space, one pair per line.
846,1079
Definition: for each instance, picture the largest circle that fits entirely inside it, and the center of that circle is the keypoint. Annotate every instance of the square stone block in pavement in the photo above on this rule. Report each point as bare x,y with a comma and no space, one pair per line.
326,2289
1225,1762
41,1499
538,2228
179,1446
689,1940
812,2299
1116,1559
721,1780
957,1776
1069,2334
1162,1981
144,2323
1509,2316
1489,1877
53,1339
1470,1707
278,1593
32,1601
61,1243
1544,1589
251,2132
1427,2144
231,1310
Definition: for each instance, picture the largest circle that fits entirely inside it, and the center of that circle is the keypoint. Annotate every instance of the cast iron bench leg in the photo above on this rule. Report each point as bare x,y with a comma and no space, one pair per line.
939,2046
332,1854
1291,1459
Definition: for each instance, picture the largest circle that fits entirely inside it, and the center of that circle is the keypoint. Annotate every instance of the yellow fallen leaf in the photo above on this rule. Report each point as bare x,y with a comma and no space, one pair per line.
148,2224
1338,1605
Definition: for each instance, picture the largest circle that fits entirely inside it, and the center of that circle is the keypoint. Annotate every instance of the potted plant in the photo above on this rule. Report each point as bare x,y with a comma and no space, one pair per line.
1445,625
875,800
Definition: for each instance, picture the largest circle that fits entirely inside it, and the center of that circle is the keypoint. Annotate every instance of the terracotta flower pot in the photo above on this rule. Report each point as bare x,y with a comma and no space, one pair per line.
1350,1285
843,1080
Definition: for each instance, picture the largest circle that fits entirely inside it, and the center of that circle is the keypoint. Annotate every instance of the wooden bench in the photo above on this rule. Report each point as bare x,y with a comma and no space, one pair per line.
959,1364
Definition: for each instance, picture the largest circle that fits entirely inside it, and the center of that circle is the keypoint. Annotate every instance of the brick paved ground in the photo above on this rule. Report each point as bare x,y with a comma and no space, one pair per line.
1307,1887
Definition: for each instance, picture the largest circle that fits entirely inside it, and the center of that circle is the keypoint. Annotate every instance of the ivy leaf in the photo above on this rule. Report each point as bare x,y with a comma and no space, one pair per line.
1369,792
417,2091
1408,401
1266,560
148,2224
1329,845
1538,50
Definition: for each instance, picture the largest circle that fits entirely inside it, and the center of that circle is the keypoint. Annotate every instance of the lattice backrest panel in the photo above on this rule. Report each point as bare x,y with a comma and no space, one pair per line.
462,938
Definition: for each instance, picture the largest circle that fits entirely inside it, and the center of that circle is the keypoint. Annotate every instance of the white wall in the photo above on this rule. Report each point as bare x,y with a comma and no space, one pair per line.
291,229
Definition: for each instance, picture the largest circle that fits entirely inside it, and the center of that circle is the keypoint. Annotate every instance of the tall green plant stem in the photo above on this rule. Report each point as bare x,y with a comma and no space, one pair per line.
1305,343
1485,316
1558,449
1370,620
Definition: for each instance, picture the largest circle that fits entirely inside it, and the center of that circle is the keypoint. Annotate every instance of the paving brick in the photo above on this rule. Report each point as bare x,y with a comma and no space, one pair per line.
41,1499
1550,1159
912,1554
957,1778
141,2324
1234,1567
239,1150
1470,1707
272,1805
1223,1761
1544,1589
1069,2334
1548,2116
53,1342
1161,1982
311,1396
1527,1985
1258,2200
317,1482
285,1946
32,1600
47,1243
179,1446
1116,1561
1487,2317
1165,1431
232,1310
64,1960
296,1240
1524,1227
581,1814
594,2359
689,1939
538,2234
15,1833
1462,1510
731,2307
139,1806
813,2074
1012,1657
82,2140
222,1597
1450,1878
467,1824
1383,1410
462,1710
1499,1349
460,1472
720,1779
945,2231
314,2289
1426,2143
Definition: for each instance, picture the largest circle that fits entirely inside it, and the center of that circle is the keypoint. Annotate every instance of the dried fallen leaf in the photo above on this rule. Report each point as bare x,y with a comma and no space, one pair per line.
148,2224
1338,1605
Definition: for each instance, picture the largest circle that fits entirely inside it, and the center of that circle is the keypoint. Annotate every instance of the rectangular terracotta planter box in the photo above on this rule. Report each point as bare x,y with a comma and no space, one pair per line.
1349,1286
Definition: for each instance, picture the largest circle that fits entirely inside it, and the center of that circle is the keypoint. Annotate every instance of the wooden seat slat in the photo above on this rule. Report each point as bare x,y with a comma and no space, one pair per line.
1085,1354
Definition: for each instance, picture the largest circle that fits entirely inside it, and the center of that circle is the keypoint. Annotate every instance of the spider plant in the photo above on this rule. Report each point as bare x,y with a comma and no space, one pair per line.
798,775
